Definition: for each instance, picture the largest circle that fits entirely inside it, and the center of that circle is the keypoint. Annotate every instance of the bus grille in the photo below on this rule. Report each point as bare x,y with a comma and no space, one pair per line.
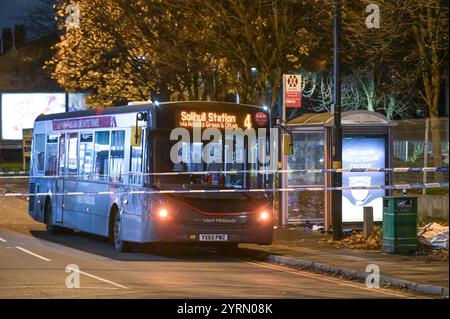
31,200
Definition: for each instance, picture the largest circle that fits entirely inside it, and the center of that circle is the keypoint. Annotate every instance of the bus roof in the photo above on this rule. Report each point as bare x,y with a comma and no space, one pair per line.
138,108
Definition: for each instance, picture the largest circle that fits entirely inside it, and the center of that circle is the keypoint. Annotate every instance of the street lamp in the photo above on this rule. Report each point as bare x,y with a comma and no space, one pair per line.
336,178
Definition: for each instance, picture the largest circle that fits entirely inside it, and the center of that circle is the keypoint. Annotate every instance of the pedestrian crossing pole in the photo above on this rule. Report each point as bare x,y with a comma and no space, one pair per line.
336,202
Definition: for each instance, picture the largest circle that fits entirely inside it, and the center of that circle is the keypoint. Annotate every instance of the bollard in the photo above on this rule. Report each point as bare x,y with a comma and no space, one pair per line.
368,222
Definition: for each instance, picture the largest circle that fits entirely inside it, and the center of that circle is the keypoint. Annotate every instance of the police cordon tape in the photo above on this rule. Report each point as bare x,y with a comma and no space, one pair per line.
256,190
15,173
22,174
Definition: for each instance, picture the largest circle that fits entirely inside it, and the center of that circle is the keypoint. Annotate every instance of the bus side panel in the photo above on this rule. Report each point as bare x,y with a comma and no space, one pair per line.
135,214
72,217
132,227
75,220
36,184
96,206
37,203
99,225
87,212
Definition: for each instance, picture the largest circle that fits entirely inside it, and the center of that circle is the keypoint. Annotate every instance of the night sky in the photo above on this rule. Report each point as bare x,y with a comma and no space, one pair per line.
11,9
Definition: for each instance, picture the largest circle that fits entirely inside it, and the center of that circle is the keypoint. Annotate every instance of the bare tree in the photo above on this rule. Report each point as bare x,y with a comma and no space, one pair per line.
430,32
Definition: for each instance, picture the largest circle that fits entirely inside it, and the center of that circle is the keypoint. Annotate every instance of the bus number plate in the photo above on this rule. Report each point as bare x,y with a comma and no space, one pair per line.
213,237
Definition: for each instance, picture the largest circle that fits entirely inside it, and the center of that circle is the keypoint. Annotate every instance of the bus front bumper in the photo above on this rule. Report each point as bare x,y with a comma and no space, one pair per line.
166,232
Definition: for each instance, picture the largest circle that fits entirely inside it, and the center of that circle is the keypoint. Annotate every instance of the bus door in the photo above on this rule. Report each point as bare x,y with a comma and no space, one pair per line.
59,187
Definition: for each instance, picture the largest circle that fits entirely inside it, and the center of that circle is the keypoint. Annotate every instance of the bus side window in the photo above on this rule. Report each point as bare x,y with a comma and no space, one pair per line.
136,162
101,149
39,152
51,155
253,164
117,155
72,164
86,160
62,155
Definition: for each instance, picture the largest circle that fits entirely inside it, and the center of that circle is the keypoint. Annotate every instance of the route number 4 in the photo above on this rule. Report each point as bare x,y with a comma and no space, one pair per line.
248,121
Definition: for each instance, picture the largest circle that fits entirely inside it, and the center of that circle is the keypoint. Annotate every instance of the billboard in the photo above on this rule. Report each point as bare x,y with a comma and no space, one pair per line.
76,102
362,152
19,110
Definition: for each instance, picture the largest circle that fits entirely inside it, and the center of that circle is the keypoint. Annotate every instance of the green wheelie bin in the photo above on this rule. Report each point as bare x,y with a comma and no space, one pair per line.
400,225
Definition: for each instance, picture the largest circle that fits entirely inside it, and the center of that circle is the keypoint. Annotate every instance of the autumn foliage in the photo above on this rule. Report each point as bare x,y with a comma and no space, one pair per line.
208,50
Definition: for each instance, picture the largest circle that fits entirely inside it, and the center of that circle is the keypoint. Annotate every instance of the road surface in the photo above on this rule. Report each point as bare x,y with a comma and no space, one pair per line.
33,265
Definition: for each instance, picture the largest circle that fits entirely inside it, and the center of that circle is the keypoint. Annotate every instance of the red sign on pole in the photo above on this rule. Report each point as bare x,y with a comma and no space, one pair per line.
292,90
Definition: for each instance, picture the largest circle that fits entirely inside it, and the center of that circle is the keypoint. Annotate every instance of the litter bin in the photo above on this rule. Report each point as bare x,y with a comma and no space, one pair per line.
400,224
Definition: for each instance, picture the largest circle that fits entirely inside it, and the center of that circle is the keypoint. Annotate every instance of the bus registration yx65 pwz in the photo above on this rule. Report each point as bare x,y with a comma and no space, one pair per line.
213,237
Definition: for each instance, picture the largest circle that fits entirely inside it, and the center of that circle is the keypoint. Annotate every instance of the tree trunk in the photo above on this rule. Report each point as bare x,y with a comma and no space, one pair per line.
195,84
164,92
435,129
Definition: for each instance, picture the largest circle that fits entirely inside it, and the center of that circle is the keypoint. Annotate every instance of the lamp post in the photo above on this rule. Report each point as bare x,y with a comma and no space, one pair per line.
336,178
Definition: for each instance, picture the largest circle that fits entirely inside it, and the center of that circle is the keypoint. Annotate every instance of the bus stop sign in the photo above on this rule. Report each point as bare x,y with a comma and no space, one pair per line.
292,90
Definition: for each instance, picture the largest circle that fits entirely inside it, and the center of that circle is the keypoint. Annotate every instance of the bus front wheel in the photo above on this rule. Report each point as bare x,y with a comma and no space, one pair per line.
119,244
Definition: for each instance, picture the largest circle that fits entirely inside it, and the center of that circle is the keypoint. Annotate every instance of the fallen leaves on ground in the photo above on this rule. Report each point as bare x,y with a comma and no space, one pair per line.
356,240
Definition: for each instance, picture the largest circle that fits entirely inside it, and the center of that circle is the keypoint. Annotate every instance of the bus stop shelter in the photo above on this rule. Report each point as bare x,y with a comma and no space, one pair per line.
366,143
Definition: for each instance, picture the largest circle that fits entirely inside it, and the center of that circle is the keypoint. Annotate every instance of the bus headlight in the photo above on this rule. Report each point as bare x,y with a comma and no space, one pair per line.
163,213
264,216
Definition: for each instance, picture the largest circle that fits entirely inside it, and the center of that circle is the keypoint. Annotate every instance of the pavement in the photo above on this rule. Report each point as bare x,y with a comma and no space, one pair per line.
295,247
34,264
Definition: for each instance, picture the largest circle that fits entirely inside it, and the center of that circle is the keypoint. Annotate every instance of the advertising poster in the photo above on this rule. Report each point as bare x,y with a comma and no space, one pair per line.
362,152
77,102
19,110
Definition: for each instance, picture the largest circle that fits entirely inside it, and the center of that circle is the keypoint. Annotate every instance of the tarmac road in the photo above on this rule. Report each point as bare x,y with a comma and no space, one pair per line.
33,265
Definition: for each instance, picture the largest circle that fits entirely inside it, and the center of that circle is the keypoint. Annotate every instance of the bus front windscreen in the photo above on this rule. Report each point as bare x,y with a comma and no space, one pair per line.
229,165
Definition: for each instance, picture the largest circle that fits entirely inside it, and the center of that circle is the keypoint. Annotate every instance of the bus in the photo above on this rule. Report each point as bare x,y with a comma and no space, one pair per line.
109,172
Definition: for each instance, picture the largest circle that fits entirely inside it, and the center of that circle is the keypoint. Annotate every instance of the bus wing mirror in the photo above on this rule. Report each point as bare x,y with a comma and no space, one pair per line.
136,136
136,130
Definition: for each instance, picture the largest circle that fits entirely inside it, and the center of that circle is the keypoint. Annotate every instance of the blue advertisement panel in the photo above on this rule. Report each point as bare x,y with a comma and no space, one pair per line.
362,152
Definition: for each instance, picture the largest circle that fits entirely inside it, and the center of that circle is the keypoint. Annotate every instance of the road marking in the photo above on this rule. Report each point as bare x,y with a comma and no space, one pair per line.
79,271
3,240
32,254
101,279
336,281
55,287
